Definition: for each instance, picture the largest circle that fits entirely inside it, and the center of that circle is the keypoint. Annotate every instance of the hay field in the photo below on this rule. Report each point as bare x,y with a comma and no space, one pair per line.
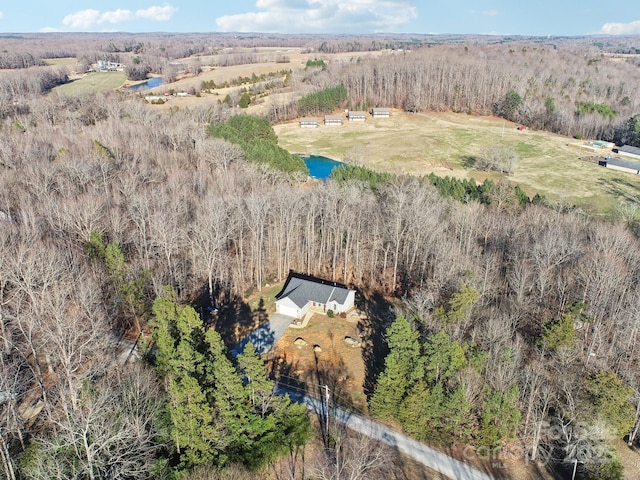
419,144
92,83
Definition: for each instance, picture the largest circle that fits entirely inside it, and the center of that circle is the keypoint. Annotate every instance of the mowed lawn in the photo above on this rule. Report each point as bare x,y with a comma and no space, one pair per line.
92,83
419,144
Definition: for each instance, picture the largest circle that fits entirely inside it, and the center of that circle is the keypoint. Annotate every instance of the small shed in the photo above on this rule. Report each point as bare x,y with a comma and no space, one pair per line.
357,116
333,120
309,122
380,112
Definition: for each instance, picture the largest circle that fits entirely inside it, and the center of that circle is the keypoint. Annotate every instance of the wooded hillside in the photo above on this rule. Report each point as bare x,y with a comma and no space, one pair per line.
516,321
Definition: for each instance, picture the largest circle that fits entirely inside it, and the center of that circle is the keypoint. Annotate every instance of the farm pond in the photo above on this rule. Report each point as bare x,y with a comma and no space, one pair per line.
320,167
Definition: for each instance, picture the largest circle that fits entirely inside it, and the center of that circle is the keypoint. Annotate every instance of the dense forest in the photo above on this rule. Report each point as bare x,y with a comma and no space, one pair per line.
513,321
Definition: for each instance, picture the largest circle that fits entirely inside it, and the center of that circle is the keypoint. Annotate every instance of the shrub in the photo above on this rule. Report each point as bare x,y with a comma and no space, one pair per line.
330,313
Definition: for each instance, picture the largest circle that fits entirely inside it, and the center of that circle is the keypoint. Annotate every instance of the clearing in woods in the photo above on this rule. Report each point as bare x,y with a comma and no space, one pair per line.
419,144
91,83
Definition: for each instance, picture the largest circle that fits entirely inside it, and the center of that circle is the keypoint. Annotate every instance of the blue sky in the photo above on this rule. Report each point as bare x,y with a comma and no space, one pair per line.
515,17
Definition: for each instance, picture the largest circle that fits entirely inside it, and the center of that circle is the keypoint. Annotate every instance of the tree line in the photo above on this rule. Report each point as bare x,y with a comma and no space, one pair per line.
505,305
545,87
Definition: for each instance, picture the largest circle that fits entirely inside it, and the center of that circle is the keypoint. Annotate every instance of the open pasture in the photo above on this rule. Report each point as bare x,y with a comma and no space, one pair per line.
419,144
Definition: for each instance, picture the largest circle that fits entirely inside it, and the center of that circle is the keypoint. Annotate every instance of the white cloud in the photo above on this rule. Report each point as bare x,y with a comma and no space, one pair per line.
89,19
631,28
325,16
117,16
1,15
159,14
82,20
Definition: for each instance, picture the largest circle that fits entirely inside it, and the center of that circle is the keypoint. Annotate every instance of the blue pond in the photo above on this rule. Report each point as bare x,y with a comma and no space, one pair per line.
152,82
320,167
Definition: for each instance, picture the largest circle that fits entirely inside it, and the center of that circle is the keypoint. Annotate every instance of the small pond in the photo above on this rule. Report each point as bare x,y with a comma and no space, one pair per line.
152,82
320,167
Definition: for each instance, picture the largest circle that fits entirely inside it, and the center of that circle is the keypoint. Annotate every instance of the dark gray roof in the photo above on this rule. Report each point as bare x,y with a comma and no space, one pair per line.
620,162
629,149
301,289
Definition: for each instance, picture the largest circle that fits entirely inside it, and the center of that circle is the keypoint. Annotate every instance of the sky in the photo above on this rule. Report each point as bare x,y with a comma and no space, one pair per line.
499,17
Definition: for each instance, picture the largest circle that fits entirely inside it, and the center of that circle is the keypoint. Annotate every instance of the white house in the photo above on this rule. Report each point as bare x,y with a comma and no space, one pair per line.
301,292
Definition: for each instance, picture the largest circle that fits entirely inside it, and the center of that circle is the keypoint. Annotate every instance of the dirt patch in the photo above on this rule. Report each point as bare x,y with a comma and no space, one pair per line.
629,458
335,363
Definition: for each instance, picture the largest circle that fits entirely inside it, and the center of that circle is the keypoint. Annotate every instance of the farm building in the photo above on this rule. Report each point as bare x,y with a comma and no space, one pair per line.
357,116
308,122
380,112
301,293
628,150
628,166
333,120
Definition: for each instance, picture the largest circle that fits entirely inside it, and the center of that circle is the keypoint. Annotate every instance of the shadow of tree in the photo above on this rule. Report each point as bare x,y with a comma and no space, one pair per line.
469,161
379,315
621,188
230,315
261,337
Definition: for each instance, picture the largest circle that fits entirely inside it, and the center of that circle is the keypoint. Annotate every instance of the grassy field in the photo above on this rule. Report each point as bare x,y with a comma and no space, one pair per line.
92,83
419,144
67,62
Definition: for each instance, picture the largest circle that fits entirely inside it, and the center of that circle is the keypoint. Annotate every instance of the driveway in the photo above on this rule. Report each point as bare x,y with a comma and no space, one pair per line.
440,462
266,335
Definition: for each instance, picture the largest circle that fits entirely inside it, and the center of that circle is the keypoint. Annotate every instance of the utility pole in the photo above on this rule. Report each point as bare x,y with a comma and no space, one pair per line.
327,398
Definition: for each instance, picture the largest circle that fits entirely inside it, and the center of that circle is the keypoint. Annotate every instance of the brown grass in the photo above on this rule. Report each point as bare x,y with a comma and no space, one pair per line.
439,142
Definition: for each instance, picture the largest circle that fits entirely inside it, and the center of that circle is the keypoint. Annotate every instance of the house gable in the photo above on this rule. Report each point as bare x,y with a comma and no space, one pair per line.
304,291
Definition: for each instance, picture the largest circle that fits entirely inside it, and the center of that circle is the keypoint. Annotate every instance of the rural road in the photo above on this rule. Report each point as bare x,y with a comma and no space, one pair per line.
434,459
267,335
420,452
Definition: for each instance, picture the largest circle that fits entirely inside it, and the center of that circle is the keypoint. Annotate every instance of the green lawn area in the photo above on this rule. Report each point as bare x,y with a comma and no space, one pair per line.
268,297
419,144
67,62
92,83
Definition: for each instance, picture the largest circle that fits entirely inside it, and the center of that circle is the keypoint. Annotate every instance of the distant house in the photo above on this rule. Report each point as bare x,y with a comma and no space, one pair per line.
629,151
333,120
357,116
308,122
380,112
622,165
106,66
302,292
